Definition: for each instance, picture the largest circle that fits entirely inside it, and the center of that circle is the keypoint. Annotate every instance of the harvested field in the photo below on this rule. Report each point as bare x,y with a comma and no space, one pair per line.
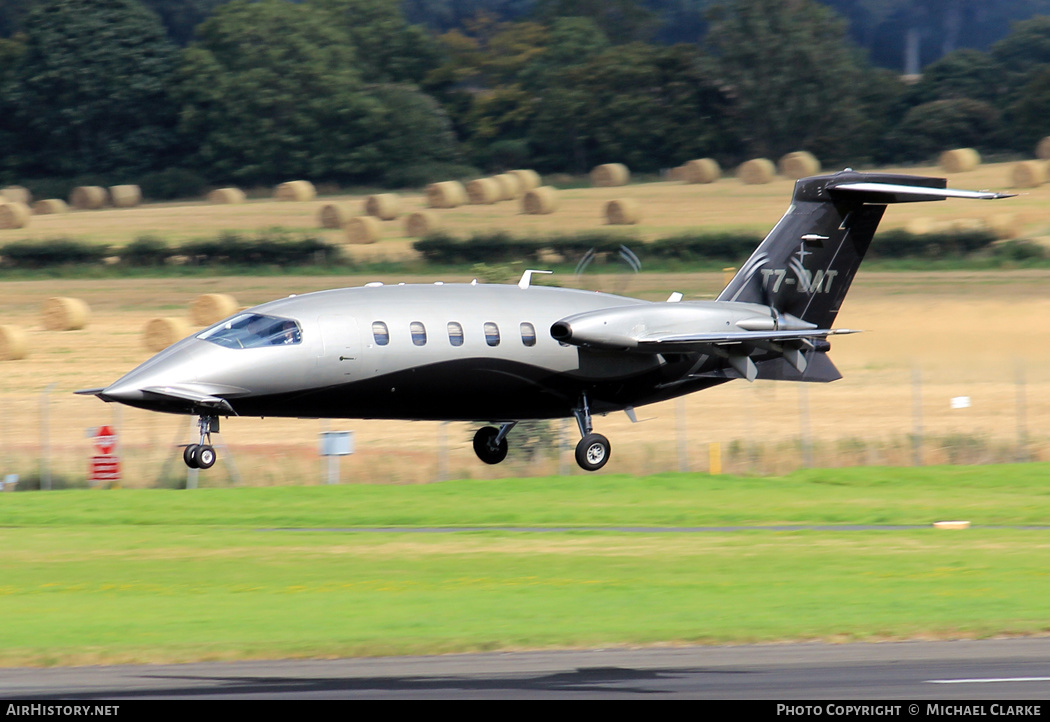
670,207
968,333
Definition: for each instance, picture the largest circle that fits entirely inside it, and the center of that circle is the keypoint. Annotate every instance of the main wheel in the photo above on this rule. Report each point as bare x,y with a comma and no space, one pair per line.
592,452
484,447
204,455
188,455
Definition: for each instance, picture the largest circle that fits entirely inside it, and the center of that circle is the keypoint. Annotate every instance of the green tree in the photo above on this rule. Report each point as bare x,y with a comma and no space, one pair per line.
937,126
962,74
794,76
87,94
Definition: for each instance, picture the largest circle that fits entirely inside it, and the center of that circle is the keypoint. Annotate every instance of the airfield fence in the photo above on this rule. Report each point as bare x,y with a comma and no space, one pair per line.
873,417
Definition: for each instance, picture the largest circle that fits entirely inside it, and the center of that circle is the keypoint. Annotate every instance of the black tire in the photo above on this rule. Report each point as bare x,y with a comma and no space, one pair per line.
593,452
485,449
204,455
189,456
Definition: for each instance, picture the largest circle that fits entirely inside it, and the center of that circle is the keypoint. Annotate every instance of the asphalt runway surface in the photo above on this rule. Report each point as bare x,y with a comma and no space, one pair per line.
1010,670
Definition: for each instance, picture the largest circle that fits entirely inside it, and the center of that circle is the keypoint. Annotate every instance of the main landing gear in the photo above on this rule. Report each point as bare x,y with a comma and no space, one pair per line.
202,455
592,453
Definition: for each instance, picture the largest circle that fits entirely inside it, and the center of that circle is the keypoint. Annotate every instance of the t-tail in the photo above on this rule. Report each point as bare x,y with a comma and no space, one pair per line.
806,264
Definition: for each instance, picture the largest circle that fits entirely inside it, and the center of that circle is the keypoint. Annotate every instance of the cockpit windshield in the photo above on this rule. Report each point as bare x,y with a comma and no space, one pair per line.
252,330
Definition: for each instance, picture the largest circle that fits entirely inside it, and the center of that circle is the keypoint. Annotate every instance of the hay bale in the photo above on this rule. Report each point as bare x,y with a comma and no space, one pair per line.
127,196
608,175
13,343
446,194
959,160
756,171
14,215
421,223
540,201
16,194
700,170
1042,149
363,229
159,333
510,186
800,164
624,211
1028,174
483,191
332,216
65,314
1005,226
226,195
529,179
384,206
88,198
209,308
49,206
297,190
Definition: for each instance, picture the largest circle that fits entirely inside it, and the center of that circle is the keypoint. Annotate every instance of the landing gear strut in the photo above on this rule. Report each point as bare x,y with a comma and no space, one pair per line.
490,443
594,450
202,455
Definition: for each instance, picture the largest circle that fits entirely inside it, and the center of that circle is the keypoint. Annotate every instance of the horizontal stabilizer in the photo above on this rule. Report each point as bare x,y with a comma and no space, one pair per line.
896,193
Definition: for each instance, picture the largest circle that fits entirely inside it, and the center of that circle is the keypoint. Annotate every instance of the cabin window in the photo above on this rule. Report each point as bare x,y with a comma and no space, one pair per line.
528,334
380,333
455,334
419,333
252,330
491,333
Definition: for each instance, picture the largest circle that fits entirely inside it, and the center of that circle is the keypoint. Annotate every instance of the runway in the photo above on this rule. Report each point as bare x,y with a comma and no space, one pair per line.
1009,670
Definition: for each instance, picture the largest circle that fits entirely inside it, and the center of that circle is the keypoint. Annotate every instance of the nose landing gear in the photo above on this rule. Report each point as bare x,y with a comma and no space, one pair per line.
202,455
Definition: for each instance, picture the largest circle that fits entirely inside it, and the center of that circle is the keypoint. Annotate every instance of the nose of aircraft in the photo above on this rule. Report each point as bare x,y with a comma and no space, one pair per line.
176,365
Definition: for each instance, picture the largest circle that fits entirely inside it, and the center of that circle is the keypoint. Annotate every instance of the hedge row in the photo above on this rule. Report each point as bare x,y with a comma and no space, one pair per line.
226,249
726,247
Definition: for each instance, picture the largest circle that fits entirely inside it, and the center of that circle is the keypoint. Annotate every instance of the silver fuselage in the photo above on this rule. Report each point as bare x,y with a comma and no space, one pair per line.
339,368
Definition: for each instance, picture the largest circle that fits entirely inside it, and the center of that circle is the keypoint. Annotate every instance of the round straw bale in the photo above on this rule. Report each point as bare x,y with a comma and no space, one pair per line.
483,191
1028,173
1042,149
159,333
1005,226
756,170
421,223
14,215
49,206
65,314
13,343
625,211
540,201
297,190
226,195
363,229
88,197
446,194
209,308
332,216
16,194
509,186
610,174
702,170
529,179
126,196
384,206
959,160
800,164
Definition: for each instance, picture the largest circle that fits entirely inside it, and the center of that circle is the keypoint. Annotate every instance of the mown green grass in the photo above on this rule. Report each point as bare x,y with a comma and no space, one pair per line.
155,576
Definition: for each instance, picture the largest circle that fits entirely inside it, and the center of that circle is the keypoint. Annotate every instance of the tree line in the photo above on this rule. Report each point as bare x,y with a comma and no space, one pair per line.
352,92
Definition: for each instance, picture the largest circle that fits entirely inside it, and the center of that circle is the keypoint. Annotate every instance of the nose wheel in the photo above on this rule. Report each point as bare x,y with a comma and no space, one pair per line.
202,455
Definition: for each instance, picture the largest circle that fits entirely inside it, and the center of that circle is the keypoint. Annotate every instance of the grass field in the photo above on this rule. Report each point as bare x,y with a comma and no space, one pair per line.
168,576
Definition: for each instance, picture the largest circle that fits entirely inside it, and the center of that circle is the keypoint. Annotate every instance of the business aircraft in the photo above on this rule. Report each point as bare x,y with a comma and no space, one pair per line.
500,353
